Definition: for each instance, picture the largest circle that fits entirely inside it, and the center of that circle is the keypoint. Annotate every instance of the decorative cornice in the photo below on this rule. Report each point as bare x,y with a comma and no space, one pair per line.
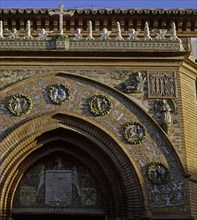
105,11
162,46
135,45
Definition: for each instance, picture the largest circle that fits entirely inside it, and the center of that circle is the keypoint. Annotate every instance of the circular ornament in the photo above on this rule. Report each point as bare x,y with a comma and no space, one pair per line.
134,132
59,93
99,105
19,104
158,173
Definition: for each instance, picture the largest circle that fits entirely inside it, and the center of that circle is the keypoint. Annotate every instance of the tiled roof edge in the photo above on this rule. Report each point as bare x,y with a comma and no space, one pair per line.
104,11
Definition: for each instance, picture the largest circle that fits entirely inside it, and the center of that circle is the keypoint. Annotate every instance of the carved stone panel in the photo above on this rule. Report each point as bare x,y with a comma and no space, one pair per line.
58,182
162,85
134,83
58,188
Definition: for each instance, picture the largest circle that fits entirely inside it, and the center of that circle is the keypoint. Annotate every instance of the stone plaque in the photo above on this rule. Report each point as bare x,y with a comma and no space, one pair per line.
162,85
58,188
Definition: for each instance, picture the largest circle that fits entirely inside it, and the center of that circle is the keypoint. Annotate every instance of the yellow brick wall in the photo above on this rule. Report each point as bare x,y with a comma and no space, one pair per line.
188,76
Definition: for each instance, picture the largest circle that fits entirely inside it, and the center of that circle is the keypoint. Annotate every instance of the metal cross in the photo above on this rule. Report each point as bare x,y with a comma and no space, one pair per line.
61,13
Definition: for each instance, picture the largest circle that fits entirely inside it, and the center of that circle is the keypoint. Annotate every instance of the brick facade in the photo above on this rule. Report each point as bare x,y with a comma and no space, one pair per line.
102,110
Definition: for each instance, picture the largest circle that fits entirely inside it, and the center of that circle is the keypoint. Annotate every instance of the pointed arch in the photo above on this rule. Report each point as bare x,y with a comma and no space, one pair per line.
101,148
27,135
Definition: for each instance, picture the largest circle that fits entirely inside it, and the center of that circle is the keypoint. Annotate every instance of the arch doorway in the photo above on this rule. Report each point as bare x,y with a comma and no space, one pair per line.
72,177
64,140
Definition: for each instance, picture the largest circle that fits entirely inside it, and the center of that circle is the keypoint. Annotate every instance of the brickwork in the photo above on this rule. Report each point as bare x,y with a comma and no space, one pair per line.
43,110
188,78
96,159
123,112
114,79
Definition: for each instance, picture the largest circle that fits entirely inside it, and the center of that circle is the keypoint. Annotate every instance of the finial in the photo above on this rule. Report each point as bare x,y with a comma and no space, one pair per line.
90,37
173,32
118,32
1,30
147,36
28,31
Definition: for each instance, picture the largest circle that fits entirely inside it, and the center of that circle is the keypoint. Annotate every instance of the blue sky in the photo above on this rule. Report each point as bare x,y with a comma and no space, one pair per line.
186,4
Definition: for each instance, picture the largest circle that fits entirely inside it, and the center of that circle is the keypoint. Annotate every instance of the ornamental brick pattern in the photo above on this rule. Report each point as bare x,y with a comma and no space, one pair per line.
137,77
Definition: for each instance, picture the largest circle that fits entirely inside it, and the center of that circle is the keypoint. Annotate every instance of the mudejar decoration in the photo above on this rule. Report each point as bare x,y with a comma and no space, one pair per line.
134,132
158,173
19,104
99,105
58,93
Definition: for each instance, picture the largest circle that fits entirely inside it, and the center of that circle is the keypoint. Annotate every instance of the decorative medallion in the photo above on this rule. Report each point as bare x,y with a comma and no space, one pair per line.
134,132
59,93
158,173
19,104
88,196
99,105
27,195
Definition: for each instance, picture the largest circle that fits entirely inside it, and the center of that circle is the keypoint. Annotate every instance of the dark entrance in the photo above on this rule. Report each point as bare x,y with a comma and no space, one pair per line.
58,217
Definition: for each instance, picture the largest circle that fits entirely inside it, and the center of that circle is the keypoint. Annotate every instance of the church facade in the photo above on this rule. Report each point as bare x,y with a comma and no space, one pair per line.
98,114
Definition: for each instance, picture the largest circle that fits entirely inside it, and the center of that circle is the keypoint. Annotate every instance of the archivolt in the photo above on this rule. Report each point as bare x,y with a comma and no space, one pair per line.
108,154
25,138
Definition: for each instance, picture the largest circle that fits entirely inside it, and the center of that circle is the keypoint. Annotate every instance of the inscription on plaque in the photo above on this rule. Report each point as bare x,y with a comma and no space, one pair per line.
58,188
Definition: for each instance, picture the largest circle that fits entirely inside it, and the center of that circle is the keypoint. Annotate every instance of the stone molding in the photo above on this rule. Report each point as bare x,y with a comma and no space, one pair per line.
33,45
92,45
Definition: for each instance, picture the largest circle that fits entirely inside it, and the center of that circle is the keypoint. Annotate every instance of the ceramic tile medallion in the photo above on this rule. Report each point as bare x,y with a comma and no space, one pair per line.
58,93
134,132
158,173
99,105
19,104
